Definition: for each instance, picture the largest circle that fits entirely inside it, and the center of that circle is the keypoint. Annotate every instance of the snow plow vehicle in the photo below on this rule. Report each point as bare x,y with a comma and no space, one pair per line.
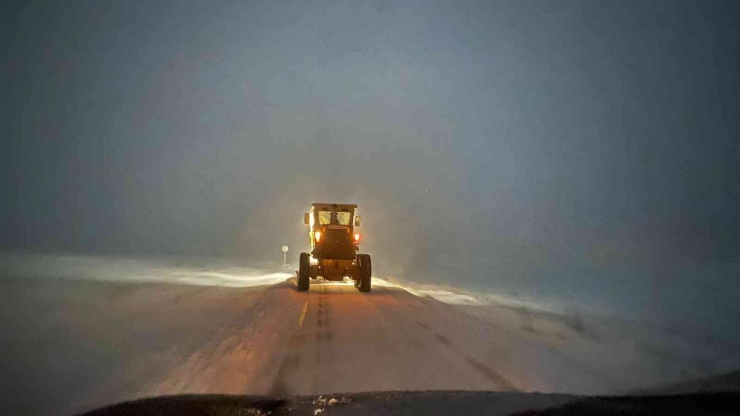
334,247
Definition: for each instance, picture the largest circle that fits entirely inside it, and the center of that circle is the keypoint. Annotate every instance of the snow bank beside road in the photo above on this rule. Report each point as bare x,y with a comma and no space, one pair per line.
459,296
205,272
444,296
612,346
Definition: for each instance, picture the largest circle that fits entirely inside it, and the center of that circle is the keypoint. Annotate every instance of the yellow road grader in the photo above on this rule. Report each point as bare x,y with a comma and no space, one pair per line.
335,243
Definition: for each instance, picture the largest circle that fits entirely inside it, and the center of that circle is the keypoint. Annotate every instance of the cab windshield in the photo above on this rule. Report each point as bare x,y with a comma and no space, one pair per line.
334,218
251,199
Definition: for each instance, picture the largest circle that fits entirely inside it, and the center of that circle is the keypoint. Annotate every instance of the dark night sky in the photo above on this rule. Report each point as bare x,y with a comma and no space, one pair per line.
534,145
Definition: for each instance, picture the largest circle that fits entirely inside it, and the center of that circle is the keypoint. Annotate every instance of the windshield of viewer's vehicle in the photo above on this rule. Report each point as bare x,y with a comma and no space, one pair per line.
549,194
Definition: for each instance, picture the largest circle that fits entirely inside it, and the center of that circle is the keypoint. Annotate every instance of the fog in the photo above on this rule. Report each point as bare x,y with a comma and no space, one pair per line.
578,150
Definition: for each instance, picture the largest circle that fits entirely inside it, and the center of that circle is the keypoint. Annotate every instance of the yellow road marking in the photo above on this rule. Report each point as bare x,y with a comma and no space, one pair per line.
303,315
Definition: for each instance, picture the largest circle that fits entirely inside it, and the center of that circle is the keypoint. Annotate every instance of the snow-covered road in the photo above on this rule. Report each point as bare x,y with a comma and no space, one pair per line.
73,345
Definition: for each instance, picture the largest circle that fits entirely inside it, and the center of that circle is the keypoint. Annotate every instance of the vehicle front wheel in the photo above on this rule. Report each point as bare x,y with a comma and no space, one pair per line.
304,266
366,273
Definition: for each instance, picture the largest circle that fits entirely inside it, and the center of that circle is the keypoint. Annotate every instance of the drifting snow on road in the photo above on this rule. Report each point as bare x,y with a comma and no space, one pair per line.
108,330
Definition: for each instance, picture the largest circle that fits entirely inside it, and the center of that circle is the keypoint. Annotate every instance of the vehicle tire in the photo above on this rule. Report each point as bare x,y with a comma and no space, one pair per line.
366,272
304,266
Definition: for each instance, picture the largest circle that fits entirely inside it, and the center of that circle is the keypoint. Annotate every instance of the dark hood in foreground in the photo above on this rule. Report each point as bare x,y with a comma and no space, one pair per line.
426,403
